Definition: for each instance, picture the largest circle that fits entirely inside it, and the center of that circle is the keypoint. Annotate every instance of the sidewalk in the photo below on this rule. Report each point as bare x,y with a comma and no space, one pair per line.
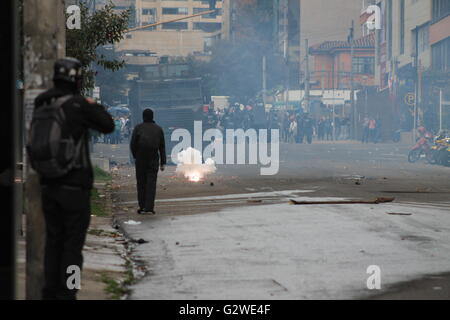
104,267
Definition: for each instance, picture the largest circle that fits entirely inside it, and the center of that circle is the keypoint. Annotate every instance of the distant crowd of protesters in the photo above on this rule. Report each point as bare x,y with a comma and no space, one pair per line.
121,133
294,126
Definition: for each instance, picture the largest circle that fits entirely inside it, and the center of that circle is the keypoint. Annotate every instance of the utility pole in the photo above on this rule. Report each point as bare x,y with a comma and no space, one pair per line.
300,43
286,52
416,83
307,76
44,43
352,91
440,110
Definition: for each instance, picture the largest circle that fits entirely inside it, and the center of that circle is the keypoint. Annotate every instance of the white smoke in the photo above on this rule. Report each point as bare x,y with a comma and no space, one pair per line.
190,164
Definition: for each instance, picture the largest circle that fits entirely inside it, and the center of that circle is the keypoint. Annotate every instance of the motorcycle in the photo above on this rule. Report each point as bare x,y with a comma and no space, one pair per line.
396,135
422,148
441,150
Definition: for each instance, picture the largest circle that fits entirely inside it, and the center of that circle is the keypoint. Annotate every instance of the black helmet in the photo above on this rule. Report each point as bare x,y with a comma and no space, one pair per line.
68,69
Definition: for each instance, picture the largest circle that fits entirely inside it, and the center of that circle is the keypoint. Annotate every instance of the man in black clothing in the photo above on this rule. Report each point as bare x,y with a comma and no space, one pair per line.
149,151
308,128
66,200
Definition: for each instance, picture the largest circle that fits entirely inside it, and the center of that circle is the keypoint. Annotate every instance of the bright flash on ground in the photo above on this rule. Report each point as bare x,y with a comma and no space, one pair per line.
194,177
191,166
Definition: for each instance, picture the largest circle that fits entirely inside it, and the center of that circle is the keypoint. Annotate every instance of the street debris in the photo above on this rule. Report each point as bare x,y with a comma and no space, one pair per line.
376,201
139,241
254,201
399,214
132,222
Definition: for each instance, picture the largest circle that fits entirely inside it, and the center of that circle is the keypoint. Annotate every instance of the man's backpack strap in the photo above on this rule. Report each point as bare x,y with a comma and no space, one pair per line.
63,99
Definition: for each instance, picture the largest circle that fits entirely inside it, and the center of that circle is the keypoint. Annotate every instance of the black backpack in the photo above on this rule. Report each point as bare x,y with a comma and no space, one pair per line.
51,148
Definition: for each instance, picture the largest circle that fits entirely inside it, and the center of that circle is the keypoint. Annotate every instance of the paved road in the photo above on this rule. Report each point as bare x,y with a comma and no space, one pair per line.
233,235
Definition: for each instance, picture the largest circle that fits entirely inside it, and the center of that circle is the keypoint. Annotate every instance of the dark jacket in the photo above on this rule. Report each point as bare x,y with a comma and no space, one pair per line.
147,144
81,116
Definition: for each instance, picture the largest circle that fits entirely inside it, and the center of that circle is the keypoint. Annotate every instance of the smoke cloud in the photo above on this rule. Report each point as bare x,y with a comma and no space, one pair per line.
190,165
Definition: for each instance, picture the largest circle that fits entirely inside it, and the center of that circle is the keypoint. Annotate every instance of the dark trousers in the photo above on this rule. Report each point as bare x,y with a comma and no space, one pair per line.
146,177
67,217
300,136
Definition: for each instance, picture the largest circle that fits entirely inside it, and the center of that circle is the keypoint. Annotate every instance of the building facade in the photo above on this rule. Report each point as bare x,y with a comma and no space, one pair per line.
324,20
191,36
412,69
333,68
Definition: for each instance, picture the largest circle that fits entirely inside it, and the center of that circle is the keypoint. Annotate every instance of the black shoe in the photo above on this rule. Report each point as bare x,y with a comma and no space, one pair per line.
147,212
139,211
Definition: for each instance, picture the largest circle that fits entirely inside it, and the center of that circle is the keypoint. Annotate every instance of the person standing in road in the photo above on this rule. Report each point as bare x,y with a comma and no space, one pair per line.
372,129
149,151
66,189
321,129
365,135
300,128
308,127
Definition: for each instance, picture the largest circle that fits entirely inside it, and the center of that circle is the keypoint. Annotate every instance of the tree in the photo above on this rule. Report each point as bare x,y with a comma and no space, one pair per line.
103,27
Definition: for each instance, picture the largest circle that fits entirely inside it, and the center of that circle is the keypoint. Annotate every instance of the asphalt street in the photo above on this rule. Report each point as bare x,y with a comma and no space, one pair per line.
233,235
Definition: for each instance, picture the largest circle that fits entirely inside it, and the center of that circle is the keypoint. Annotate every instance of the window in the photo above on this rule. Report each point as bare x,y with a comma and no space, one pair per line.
175,26
175,10
148,12
364,65
423,38
441,8
207,26
441,55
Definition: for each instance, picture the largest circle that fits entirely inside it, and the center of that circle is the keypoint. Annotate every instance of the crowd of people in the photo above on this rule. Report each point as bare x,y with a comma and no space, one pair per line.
294,126
371,130
121,133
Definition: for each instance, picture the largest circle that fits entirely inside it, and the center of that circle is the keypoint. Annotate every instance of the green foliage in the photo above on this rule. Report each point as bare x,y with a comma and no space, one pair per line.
101,175
104,27
114,288
98,205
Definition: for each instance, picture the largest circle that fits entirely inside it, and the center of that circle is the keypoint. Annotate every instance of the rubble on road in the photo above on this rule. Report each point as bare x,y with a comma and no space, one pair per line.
399,214
376,201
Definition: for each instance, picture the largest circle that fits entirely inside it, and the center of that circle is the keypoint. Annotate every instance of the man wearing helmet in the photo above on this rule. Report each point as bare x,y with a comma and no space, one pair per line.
66,199
423,132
